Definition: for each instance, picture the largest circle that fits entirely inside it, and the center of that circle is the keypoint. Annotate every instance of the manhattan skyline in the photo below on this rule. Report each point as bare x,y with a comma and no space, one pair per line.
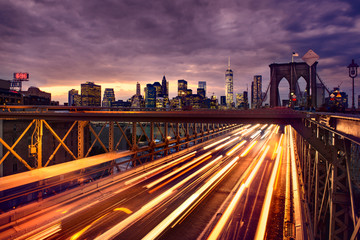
117,44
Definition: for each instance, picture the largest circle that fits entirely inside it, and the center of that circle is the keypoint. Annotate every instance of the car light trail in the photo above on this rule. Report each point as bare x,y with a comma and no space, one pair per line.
223,145
250,130
182,173
255,134
121,226
215,233
247,150
277,129
299,225
125,210
159,168
265,134
235,148
242,129
177,170
256,168
46,233
175,214
263,127
213,144
78,234
226,215
261,227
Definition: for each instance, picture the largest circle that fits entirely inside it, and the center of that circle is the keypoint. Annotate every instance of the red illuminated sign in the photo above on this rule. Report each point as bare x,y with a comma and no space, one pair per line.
21,76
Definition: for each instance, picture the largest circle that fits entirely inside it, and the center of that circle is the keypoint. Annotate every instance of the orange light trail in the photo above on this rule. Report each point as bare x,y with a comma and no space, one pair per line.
247,150
177,170
235,148
173,178
162,167
213,144
153,234
261,227
230,209
223,145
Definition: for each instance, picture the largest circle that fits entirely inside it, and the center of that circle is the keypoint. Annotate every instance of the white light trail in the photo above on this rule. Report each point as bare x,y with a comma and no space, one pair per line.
157,169
235,148
242,129
263,126
255,134
177,170
299,225
256,168
213,144
46,233
250,130
223,145
247,150
265,134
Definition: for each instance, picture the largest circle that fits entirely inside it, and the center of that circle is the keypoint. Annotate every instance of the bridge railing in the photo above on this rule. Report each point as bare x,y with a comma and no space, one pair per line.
329,162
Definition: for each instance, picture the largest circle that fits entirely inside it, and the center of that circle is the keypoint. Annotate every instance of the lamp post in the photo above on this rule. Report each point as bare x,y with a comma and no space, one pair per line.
353,73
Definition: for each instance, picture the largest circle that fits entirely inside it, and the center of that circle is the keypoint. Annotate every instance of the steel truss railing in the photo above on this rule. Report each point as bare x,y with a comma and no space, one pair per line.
328,161
151,139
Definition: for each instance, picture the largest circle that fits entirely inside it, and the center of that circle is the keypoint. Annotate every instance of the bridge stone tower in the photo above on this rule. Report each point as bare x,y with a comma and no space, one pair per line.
292,72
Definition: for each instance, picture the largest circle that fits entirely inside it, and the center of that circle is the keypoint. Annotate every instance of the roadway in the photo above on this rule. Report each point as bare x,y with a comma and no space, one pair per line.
214,191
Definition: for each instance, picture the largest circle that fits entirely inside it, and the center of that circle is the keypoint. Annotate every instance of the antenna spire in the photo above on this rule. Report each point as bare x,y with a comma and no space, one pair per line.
229,62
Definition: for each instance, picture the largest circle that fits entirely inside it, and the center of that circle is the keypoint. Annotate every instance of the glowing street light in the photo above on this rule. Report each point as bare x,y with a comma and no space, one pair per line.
353,73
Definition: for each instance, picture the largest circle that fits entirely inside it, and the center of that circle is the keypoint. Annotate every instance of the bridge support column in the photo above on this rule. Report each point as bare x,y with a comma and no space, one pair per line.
111,136
152,141
177,136
339,198
38,142
187,134
81,141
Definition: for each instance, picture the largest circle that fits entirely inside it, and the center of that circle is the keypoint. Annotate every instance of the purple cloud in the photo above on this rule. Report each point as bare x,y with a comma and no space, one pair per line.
65,43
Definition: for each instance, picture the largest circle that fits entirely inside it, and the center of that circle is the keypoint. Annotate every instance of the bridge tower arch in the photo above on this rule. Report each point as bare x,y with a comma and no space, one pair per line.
292,72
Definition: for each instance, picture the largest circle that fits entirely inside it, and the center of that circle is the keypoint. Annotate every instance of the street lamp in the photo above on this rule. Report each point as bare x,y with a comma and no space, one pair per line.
353,73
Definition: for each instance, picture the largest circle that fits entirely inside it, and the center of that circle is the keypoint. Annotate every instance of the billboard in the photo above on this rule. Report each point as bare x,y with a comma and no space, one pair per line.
21,76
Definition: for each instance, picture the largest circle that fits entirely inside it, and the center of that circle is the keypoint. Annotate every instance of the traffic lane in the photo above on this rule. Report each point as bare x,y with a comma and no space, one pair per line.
220,222
161,216
134,200
69,227
246,215
131,234
199,218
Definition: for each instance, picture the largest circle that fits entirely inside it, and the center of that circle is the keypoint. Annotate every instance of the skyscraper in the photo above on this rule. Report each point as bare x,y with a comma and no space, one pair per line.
71,97
223,100
90,94
242,100
157,87
202,84
229,88
256,92
109,97
201,92
165,88
150,96
138,93
182,88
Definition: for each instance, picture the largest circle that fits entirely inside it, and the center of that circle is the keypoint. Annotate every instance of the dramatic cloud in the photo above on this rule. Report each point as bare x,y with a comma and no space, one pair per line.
118,43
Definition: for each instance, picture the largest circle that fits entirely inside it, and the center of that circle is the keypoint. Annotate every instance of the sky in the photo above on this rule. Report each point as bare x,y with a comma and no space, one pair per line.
117,43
